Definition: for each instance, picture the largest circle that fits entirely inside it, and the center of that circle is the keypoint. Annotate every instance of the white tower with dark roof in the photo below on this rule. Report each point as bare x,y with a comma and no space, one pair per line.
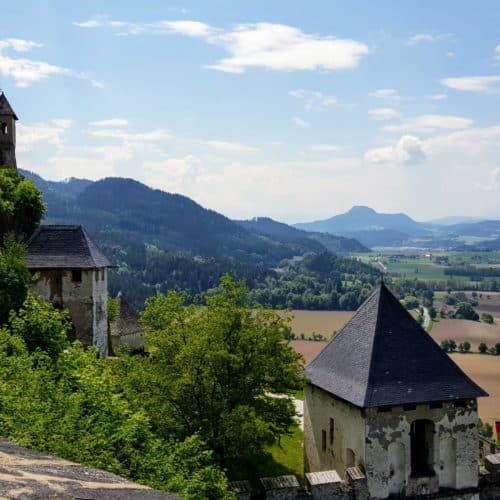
7,134
384,397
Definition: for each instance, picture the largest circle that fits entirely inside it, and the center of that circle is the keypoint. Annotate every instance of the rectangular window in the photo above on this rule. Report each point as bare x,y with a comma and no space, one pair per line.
97,275
409,407
323,440
332,431
76,275
103,271
434,406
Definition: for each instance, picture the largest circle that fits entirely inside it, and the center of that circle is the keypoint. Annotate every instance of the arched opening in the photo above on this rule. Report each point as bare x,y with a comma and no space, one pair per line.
422,448
4,129
350,458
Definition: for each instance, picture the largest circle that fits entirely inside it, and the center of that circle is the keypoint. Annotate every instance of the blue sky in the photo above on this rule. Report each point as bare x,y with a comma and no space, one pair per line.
292,109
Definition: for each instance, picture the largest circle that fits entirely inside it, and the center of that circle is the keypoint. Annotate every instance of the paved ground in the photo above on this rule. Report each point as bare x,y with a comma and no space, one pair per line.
26,474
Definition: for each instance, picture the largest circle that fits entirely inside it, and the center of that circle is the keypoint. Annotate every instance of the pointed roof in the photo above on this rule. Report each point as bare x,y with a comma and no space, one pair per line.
63,247
383,357
5,107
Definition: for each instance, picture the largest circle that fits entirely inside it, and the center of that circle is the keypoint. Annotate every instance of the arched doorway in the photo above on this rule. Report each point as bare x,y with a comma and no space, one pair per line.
350,458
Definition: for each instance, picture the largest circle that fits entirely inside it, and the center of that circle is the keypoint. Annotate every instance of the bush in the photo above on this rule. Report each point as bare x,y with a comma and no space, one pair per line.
448,345
483,348
485,429
487,318
465,311
410,302
464,347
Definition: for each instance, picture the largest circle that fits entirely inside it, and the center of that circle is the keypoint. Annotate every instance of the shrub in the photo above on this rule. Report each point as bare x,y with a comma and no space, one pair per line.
487,318
483,348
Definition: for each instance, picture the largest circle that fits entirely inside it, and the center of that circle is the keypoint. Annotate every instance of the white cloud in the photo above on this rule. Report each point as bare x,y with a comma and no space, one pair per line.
497,53
428,38
473,83
386,94
314,98
438,97
112,122
494,181
300,122
151,136
270,46
408,150
26,72
384,114
30,136
325,148
430,123
231,147
173,174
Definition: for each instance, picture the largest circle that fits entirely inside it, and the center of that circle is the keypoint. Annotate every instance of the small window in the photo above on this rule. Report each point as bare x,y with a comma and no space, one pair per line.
76,275
384,409
332,431
434,406
323,440
97,275
103,274
409,407
461,404
4,128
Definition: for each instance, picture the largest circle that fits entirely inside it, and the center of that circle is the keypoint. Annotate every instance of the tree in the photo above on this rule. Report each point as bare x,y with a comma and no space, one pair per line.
497,349
448,345
217,371
21,204
15,278
465,311
482,348
485,429
464,347
41,326
410,302
487,318
432,312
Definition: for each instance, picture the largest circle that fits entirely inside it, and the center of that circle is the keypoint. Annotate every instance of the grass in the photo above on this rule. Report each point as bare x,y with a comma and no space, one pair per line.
289,454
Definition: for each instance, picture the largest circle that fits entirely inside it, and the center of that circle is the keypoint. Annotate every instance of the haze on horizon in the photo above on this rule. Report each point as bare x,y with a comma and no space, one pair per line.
272,109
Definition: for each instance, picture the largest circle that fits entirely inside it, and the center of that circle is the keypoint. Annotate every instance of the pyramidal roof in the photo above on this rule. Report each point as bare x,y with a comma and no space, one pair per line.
5,107
383,357
63,247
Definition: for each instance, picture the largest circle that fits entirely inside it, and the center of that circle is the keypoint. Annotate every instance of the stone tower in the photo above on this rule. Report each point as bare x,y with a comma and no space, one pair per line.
72,274
7,133
384,397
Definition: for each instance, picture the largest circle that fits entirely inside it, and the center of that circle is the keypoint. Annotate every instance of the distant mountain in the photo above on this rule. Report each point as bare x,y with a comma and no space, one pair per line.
361,218
483,229
453,220
314,241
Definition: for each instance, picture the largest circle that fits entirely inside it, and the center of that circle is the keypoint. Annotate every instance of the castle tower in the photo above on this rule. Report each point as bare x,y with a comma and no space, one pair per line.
384,397
7,133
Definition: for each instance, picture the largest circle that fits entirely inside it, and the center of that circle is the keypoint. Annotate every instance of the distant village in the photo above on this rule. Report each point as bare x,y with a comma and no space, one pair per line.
386,413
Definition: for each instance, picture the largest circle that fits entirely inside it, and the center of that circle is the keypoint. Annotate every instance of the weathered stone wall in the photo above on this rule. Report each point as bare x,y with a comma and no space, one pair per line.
348,447
388,450
8,142
100,312
86,301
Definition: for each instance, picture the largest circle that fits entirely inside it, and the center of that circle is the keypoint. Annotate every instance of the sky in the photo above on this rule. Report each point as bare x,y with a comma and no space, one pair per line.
291,109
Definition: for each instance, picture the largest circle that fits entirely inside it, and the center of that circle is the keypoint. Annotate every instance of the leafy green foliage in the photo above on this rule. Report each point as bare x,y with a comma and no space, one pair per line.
448,345
41,326
464,310
482,348
487,318
214,371
15,278
464,347
21,204
410,302
485,429
72,404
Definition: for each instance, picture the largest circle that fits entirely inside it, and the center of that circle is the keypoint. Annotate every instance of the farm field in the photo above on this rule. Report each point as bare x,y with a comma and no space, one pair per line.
488,302
323,322
461,330
483,369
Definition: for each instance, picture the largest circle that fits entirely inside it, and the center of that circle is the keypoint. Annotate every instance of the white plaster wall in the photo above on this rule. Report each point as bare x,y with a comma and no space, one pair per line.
349,431
100,324
388,451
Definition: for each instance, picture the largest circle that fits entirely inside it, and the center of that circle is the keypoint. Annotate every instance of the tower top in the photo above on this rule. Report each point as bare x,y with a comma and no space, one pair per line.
383,357
5,107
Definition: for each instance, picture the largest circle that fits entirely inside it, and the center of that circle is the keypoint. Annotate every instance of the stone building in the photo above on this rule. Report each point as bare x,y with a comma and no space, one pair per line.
7,133
383,397
73,274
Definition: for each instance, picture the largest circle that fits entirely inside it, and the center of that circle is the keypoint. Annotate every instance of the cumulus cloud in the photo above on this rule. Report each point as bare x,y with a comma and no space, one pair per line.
408,150
431,123
26,72
112,122
231,147
29,136
173,174
300,122
151,136
387,93
270,46
313,98
473,83
384,114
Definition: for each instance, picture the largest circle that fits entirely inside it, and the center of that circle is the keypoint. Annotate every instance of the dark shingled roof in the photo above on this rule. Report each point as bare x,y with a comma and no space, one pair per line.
383,357
63,247
5,107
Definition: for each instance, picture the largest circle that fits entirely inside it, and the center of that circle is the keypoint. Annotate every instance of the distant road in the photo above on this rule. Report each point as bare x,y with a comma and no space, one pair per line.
427,318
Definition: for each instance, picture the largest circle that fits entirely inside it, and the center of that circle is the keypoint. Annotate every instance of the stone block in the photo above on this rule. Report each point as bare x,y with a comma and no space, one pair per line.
241,489
281,487
325,485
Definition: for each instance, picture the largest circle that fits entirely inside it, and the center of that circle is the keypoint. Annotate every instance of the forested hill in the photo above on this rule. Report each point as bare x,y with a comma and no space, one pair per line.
161,241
